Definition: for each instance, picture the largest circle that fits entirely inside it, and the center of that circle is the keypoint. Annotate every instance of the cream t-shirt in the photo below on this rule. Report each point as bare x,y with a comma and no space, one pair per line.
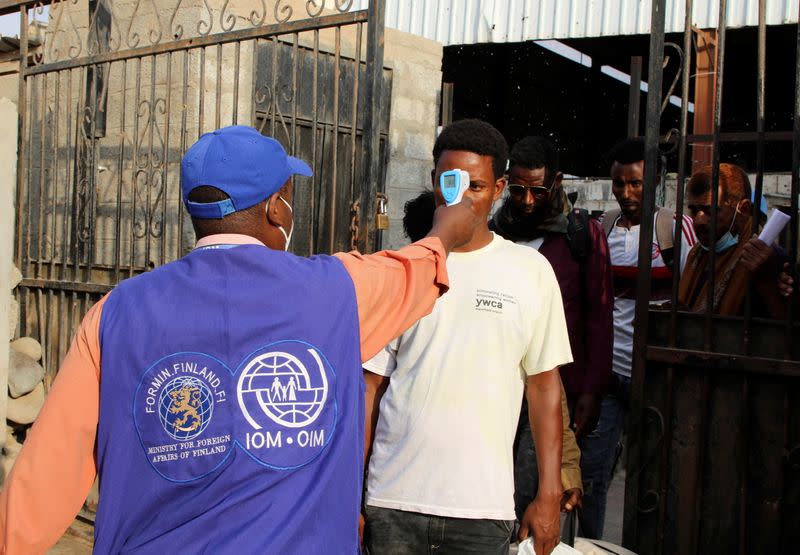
443,444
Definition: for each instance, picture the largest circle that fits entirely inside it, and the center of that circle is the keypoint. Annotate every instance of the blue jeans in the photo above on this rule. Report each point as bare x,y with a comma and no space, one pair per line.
394,532
598,454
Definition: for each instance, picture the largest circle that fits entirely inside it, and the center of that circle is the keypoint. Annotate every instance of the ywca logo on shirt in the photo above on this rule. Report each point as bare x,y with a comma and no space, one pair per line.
283,393
492,301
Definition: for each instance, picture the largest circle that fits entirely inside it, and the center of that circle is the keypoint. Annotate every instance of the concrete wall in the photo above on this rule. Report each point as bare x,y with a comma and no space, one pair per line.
596,195
8,187
417,66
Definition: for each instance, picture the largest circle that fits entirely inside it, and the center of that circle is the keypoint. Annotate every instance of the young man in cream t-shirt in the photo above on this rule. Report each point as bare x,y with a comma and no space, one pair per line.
441,463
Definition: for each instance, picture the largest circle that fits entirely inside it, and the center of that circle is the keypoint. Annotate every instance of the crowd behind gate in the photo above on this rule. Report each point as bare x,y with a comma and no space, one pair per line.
456,395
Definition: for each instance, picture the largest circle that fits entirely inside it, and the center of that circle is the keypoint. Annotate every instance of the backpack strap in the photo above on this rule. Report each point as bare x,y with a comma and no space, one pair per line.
665,219
609,219
578,234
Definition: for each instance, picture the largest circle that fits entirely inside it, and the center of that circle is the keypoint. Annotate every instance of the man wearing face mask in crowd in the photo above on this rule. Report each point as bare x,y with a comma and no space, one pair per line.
220,397
622,228
739,254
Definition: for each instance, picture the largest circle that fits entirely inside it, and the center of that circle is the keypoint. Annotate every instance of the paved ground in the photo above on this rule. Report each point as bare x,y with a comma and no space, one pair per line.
614,509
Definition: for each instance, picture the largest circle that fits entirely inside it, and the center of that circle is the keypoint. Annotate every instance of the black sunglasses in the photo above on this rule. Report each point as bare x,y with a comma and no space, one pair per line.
538,191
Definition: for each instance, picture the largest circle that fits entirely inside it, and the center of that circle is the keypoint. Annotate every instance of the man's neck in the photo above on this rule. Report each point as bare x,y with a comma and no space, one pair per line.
480,239
627,223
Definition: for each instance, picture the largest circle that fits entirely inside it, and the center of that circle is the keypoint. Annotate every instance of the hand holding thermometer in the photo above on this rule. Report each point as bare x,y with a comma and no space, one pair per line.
453,183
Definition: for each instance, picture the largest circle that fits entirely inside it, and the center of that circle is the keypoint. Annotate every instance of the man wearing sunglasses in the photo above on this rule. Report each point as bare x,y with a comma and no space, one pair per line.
536,214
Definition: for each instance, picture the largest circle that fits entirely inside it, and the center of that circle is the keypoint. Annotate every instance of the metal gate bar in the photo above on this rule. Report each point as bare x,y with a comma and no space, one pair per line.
703,381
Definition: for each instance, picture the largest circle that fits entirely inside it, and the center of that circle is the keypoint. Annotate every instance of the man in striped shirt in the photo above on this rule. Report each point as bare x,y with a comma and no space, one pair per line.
622,228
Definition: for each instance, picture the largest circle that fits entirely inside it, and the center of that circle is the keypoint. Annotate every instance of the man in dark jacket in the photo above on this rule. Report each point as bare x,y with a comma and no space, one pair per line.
536,213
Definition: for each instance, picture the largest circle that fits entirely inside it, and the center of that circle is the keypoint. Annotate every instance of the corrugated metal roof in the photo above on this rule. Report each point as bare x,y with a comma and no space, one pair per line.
472,21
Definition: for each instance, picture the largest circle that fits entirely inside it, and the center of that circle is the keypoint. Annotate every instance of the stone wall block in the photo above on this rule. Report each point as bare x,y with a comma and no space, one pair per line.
28,346
784,185
24,373
418,146
595,191
408,174
770,185
25,409
13,317
15,278
12,447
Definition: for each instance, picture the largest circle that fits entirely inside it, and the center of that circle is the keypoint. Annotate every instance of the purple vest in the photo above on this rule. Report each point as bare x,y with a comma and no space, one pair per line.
231,407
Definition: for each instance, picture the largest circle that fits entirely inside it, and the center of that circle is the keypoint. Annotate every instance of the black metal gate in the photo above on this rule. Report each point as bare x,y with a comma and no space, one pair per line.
119,90
714,432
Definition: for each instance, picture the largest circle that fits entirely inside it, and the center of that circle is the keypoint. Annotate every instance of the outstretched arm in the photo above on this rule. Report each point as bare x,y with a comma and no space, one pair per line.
394,289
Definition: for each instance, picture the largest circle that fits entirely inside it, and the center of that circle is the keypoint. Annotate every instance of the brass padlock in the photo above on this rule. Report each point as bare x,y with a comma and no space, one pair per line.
382,219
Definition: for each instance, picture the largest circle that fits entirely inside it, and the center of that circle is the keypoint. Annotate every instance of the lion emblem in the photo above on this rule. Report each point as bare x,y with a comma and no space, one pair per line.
185,402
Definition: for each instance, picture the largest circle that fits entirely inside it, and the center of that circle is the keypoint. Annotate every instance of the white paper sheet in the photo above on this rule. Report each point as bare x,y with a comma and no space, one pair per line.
775,223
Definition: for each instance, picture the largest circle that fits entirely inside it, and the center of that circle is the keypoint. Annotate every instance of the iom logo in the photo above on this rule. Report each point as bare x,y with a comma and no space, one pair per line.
287,391
185,407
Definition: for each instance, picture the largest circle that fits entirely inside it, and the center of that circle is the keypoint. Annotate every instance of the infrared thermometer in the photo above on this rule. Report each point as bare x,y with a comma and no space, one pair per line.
453,183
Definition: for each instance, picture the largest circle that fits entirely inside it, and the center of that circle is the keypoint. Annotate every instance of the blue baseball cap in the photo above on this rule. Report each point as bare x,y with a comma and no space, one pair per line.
240,161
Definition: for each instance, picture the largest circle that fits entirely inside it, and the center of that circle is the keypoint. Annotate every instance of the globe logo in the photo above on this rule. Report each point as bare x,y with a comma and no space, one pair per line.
185,407
283,388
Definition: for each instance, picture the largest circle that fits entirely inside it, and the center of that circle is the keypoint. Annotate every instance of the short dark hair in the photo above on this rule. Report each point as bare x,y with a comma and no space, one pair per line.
630,151
474,135
534,152
627,151
733,182
418,215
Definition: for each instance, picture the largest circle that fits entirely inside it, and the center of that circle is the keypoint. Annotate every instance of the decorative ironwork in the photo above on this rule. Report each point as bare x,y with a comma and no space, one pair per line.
60,10
114,26
112,99
678,73
148,183
154,33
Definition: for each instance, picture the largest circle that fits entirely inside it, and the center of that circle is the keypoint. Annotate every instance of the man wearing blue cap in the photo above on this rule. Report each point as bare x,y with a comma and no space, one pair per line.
220,397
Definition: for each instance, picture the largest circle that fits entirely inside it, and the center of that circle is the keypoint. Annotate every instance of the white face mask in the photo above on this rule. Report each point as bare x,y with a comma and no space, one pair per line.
287,236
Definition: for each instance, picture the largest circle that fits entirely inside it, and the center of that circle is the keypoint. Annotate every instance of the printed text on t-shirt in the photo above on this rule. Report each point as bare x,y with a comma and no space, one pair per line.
492,301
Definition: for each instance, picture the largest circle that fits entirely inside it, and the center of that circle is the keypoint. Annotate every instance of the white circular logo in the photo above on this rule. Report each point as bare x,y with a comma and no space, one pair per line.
284,389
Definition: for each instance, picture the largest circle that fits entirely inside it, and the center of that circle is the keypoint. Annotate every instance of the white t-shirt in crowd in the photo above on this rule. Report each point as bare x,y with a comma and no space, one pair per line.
443,443
623,244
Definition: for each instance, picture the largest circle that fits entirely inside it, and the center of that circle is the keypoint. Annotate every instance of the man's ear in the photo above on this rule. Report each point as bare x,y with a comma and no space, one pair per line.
499,185
276,211
558,179
745,207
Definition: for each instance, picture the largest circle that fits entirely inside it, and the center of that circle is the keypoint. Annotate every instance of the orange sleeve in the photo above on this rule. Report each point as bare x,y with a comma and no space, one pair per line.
56,466
394,289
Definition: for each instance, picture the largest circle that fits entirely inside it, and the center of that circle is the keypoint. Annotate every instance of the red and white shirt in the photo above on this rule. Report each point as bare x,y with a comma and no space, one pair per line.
623,243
